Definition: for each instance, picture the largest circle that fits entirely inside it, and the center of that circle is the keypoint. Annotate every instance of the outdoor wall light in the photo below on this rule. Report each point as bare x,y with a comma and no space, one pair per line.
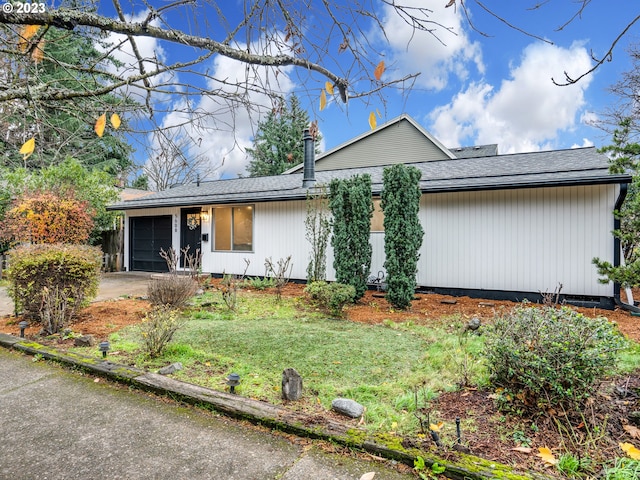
204,214
23,325
233,380
104,348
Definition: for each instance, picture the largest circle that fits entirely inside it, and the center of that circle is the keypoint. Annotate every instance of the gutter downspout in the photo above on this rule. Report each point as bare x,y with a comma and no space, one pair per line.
617,257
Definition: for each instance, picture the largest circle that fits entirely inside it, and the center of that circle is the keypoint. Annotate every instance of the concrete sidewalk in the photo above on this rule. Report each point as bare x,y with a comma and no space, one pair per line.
58,425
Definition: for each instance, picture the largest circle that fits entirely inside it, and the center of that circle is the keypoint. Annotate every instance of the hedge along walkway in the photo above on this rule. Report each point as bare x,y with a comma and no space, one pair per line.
389,446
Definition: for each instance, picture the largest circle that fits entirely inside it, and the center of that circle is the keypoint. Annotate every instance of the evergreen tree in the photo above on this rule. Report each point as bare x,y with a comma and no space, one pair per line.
278,144
61,128
402,232
352,208
625,157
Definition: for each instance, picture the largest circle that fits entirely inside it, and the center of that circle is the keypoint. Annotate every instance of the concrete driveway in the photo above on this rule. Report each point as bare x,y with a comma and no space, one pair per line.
112,285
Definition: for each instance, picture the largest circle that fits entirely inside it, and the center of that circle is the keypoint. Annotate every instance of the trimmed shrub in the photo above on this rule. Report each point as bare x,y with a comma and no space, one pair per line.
51,282
548,358
158,329
171,289
352,208
402,232
331,296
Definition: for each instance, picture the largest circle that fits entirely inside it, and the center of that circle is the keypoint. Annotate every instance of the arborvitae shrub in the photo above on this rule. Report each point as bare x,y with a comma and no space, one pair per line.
402,232
51,282
351,205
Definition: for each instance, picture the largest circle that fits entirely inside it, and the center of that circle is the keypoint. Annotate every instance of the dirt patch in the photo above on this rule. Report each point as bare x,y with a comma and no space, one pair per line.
486,431
99,319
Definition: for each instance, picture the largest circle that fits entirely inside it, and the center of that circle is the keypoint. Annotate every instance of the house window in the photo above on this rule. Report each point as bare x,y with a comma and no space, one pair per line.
232,229
377,220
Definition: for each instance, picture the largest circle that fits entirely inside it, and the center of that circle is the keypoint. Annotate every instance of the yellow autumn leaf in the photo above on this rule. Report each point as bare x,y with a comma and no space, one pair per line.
38,53
27,32
379,70
323,100
115,121
378,113
28,147
329,87
373,123
100,124
546,455
436,427
630,450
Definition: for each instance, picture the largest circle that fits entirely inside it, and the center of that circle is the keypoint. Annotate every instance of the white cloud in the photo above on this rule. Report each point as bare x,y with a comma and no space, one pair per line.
420,51
526,112
224,136
152,55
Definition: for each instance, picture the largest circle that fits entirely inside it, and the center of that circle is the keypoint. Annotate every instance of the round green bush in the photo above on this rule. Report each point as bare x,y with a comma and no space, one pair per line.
51,282
545,357
331,296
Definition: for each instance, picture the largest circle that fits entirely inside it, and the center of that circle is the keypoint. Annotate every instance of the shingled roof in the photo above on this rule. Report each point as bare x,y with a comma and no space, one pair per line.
580,166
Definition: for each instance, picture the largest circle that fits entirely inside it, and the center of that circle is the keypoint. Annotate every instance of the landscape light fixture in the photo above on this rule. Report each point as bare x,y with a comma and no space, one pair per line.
233,380
104,348
23,325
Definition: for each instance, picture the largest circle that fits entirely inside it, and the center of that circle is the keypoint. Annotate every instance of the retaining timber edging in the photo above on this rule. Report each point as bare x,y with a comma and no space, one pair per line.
464,467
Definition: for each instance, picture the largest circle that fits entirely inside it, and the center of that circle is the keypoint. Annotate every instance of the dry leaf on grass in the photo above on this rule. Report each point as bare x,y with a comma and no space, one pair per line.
546,455
633,431
522,449
630,450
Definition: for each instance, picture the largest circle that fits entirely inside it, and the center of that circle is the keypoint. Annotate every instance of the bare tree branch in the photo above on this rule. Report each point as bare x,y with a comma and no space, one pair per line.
599,62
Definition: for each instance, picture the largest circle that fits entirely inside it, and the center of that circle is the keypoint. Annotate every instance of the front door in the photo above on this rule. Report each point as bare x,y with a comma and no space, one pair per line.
190,233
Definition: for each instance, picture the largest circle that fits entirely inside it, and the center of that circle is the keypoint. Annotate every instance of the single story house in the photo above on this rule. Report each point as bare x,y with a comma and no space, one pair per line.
496,226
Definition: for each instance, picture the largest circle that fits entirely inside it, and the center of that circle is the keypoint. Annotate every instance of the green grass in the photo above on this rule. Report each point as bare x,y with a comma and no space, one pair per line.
380,366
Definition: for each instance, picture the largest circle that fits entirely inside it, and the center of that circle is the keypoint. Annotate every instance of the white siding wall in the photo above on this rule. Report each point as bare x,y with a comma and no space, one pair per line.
518,240
278,231
151,212
515,240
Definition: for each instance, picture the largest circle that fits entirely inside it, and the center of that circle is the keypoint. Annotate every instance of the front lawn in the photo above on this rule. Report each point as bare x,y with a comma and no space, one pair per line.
407,373
380,366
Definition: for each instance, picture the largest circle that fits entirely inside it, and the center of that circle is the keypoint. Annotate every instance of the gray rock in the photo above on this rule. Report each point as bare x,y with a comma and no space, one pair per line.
474,324
291,384
84,341
169,369
347,407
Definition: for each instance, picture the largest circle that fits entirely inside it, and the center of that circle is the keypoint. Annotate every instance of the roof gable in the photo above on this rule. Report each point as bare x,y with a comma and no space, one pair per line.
382,147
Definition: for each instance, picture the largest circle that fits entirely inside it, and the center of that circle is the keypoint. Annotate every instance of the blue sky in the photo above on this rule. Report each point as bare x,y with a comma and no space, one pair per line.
473,90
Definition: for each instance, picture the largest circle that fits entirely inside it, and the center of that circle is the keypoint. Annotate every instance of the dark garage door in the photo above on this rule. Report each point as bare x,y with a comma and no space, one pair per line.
148,235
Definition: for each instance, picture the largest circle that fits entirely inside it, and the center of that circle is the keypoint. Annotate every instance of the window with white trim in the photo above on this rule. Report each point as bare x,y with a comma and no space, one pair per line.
232,229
